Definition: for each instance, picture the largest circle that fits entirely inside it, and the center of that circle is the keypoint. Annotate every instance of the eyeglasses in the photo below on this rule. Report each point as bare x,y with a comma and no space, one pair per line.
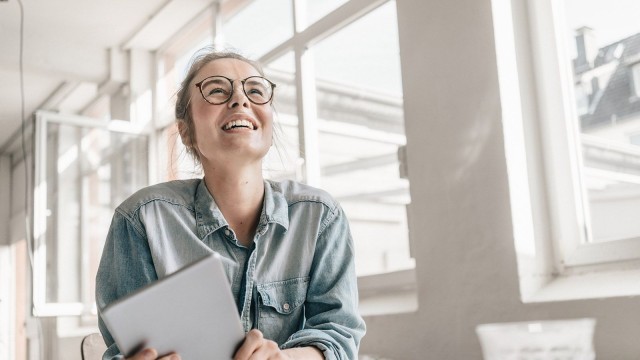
217,90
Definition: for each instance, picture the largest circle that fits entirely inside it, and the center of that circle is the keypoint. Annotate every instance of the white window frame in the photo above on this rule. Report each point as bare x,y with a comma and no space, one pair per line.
374,289
7,303
303,39
556,261
41,307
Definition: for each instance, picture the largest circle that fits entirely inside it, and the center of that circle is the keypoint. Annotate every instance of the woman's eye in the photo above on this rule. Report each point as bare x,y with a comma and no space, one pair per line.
217,91
255,91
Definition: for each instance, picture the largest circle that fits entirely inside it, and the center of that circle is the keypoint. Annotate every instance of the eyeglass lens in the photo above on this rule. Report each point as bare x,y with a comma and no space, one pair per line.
218,90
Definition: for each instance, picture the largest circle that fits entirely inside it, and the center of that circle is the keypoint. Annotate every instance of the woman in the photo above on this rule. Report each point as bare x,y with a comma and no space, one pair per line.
287,247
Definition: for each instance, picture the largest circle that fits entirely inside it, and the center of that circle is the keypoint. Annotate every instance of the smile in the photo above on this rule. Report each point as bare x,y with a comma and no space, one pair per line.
239,124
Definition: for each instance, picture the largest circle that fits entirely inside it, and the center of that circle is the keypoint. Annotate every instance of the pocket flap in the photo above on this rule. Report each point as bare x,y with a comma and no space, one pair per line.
284,296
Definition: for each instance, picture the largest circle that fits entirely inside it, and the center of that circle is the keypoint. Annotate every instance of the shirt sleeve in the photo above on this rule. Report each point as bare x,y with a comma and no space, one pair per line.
125,266
332,323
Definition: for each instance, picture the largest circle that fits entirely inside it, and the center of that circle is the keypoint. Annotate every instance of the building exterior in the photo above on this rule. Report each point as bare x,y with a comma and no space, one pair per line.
607,89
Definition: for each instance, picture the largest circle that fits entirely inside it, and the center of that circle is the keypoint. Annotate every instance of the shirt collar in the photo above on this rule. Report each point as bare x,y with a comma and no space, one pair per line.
209,218
208,215
275,208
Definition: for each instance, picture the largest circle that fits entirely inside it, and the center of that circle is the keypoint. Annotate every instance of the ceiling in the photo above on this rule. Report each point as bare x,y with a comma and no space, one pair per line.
66,48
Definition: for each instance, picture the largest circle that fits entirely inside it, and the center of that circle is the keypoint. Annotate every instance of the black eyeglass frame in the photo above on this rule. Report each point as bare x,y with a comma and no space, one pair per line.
273,86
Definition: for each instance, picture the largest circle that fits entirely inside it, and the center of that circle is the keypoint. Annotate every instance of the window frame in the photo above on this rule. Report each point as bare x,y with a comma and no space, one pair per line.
8,286
372,288
41,307
574,243
556,261
304,36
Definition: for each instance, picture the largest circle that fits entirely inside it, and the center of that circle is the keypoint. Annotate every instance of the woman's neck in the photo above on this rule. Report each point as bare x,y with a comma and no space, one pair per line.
239,195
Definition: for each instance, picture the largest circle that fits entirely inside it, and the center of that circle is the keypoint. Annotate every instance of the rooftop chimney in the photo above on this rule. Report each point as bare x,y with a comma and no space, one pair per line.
587,48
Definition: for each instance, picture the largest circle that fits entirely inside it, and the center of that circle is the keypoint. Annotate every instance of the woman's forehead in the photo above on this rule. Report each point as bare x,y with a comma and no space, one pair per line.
231,68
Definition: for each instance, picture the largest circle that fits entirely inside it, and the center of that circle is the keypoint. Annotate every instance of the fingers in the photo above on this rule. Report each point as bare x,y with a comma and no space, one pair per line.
268,351
256,347
146,354
152,354
252,341
172,356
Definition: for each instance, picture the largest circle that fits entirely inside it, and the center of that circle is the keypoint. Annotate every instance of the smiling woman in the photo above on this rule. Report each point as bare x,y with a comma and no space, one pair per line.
287,247
215,89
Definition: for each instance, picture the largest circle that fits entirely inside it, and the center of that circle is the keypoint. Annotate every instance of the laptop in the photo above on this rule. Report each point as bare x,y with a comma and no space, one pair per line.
190,312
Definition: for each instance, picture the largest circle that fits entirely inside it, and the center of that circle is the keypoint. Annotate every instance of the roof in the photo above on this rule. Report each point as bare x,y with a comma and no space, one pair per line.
617,101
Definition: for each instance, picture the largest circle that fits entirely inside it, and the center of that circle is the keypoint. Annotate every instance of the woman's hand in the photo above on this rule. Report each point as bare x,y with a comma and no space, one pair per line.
256,347
152,354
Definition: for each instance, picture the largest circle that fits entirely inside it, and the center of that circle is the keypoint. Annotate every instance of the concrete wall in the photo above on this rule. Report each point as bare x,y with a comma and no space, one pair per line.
462,233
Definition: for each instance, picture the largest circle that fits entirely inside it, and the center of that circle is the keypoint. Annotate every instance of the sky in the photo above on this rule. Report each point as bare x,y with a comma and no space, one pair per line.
612,20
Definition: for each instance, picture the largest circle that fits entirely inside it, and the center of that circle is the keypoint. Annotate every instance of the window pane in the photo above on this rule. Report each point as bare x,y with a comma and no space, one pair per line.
283,160
89,172
259,27
636,79
175,162
606,45
361,124
319,8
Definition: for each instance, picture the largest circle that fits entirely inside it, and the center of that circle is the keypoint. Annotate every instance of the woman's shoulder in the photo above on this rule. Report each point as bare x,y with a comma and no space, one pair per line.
296,192
177,192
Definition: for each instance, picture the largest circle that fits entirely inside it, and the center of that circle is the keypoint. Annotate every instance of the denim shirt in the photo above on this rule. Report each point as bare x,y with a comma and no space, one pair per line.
296,284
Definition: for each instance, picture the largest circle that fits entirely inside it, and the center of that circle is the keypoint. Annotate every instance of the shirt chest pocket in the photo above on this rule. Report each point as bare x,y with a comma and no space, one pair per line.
282,297
280,307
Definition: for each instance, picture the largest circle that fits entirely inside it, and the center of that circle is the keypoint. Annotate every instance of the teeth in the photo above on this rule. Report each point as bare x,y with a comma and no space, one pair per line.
238,123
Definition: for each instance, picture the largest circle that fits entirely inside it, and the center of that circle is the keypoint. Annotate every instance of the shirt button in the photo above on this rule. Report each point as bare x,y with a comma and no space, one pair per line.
227,232
286,306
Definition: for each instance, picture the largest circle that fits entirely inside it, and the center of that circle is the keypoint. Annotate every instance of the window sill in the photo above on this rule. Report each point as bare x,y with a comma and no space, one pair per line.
593,285
388,293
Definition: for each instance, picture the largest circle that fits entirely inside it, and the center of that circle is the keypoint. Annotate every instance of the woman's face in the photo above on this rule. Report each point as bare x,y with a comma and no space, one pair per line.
216,141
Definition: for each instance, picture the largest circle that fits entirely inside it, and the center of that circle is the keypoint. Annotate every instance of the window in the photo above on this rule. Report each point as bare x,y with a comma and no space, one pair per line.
316,9
575,203
173,162
84,169
361,129
7,305
339,114
283,160
259,26
610,163
635,76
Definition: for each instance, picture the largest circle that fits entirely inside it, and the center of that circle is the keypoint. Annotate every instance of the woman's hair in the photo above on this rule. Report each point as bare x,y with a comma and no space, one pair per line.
183,112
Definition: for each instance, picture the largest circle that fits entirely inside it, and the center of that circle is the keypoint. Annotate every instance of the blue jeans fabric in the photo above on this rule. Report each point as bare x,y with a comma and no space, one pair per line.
299,286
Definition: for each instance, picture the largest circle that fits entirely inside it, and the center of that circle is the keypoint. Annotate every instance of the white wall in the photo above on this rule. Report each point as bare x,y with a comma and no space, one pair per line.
461,229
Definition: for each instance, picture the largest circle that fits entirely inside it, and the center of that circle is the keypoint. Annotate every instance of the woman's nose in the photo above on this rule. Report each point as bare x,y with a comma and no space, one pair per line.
238,97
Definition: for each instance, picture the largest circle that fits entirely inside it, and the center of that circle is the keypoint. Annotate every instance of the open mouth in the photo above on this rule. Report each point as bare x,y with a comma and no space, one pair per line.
236,124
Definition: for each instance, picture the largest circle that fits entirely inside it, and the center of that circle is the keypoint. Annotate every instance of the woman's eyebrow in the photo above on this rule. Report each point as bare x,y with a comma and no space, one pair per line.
215,80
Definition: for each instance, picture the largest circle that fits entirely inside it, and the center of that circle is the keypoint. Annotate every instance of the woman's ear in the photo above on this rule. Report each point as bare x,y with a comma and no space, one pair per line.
183,129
